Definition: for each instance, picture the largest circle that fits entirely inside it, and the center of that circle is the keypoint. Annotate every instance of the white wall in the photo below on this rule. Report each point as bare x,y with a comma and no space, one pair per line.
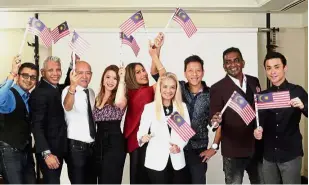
292,37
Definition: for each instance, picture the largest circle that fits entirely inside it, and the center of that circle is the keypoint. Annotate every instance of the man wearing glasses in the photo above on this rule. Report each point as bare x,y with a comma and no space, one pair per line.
49,127
16,159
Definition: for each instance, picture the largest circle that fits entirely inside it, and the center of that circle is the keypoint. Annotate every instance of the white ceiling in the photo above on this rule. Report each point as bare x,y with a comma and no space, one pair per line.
248,6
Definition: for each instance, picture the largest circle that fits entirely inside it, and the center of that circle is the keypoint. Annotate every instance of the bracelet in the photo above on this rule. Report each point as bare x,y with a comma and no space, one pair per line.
13,74
161,68
70,92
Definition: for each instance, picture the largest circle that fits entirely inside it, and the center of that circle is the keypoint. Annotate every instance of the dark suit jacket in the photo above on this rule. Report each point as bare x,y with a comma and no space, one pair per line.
236,137
49,126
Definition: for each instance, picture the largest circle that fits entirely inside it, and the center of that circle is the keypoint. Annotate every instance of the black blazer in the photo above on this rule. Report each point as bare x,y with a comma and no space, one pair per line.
47,115
237,137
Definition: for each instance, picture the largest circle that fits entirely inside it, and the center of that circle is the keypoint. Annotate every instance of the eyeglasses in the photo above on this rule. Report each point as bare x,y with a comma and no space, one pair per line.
27,76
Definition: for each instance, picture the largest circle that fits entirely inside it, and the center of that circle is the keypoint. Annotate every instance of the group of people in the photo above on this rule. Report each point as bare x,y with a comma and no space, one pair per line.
70,123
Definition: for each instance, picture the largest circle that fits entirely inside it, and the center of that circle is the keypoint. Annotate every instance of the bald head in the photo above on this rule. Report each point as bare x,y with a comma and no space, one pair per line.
83,69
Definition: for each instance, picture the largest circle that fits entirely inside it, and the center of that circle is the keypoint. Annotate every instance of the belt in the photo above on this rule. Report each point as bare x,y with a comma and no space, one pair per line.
80,143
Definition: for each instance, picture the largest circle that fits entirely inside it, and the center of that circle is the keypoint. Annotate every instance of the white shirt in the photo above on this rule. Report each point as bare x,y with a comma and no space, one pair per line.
244,83
77,118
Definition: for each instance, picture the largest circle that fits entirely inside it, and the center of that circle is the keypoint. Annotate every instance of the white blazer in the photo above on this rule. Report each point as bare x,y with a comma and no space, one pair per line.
158,149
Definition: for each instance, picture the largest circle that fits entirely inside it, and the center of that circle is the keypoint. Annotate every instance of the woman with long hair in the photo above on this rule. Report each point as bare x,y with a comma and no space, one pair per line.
165,160
139,94
109,109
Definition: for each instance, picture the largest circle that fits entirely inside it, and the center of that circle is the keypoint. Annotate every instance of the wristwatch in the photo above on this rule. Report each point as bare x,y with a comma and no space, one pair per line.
46,153
215,146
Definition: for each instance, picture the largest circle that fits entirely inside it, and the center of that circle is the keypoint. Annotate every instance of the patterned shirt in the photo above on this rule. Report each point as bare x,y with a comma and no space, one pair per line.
198,107
108,113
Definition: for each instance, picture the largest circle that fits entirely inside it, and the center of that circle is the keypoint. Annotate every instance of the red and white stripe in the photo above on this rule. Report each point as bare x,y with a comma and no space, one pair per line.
247,113
129,26
133,45
45,35
79,46
184,131
280,100
188,26
56,36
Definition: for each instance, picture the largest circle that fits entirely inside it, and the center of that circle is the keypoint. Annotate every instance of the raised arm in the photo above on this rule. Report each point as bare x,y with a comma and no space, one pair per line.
121,100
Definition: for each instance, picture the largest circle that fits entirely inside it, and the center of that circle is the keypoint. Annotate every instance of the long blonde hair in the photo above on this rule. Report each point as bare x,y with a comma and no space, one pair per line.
177,99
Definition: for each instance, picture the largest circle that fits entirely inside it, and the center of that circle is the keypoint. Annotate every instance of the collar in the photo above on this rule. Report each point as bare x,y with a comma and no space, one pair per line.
236,81
203,89
282,86
54,86
22,93
80,88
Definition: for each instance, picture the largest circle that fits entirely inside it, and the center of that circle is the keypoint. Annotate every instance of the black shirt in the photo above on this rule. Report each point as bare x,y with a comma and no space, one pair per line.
282,138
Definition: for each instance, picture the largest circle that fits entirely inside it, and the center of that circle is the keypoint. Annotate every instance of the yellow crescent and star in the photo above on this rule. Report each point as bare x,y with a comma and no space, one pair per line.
263,96
138,16
38,24
177,118
239,100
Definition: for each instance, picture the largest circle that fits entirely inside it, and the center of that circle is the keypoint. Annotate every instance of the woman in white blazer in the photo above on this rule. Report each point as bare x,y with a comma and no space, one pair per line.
165,158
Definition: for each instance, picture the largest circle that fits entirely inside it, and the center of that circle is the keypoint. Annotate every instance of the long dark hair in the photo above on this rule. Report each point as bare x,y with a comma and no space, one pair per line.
130,77
100,96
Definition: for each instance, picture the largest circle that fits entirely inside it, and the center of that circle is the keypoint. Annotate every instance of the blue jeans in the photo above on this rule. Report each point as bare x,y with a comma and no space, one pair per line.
16,166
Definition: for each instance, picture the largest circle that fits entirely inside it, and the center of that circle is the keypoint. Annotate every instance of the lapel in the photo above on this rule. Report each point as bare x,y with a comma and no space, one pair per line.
253,86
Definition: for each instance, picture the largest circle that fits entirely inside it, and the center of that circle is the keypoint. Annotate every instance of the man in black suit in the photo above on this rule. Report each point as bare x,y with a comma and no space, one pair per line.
238,143
49,126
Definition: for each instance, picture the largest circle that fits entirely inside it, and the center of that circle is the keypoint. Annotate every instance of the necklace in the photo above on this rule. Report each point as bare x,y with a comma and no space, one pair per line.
168,109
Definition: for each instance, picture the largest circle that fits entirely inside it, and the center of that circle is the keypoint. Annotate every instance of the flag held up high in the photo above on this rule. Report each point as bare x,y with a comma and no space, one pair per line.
182,18
133,23
60,31
130,41
240,105
180,126
38,28
273,100
78,44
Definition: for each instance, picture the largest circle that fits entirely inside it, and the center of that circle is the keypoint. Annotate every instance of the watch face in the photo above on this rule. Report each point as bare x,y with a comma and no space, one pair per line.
214,146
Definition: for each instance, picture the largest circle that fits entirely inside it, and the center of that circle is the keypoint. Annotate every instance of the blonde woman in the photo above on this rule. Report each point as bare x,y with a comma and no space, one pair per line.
165,160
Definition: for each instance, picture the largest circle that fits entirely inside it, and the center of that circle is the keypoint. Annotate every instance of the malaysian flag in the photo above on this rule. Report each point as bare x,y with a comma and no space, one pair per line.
273,100
78,44
60,31
39,29
133,23
182,18
130,41
181,127
242,107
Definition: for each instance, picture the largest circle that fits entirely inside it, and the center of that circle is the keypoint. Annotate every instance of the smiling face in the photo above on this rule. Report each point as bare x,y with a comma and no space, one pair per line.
52,72
83,69
110,80
141,75
27,78
194,73
168,89
233,64
275,71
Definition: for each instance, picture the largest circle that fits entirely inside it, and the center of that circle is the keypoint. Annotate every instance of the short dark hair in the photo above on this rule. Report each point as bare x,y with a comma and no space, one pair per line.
274,54
230,50
194,58
28,65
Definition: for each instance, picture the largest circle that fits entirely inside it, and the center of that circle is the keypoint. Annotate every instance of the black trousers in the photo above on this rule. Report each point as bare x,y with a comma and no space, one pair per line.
16,166
197,169
138,172
81,162
50,176
110,153
168,175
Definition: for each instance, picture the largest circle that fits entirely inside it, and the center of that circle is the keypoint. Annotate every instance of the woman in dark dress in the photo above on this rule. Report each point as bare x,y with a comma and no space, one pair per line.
110,144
